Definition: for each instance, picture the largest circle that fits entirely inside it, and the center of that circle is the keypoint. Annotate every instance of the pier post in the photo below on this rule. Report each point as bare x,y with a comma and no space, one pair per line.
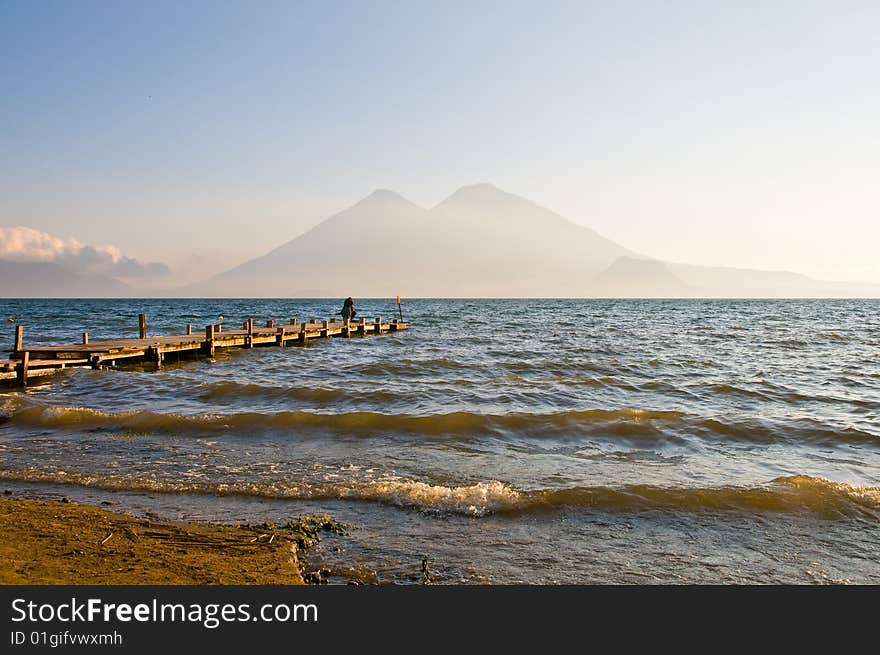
293,321
302,333
142,325
280,336
19,334
362,327
346,330
156,355
189,328
85,338
270,323
209,340
378,329
324,326
250,333
23,368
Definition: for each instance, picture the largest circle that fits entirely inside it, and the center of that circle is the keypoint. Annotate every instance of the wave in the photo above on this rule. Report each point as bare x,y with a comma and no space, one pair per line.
833,336
804,430
321,395
626,423
779,392
733,390
409,366
794,494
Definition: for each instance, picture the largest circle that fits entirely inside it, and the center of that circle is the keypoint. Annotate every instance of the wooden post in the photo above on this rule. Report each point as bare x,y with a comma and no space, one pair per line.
209,340
362,326
244,325
156,354
85,338
378,325
270,323
250,333
189,328
346,330
96,362
293,321
324,326
218,327
280,336
142,325
302,332
19,334
23,368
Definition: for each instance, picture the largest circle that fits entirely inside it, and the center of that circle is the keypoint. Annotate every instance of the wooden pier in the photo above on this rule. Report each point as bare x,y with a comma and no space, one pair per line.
27,362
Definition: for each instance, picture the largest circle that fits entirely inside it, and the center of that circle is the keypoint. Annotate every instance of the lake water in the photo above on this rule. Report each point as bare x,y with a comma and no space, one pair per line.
537,441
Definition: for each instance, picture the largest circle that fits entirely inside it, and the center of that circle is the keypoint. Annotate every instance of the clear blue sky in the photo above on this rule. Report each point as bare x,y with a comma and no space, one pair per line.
734,133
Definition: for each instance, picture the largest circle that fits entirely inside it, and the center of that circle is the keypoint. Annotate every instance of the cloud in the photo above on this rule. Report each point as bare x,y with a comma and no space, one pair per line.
24,244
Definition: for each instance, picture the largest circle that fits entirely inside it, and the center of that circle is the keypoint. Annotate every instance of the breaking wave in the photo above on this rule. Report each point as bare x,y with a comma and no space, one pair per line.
793,494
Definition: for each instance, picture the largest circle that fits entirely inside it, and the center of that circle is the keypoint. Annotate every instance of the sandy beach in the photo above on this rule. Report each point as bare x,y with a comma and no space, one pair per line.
70,543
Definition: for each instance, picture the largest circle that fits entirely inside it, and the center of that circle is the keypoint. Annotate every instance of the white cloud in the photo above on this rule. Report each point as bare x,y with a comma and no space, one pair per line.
24,244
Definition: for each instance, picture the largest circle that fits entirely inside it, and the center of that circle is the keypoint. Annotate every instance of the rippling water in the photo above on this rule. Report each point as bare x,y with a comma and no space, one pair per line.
507,440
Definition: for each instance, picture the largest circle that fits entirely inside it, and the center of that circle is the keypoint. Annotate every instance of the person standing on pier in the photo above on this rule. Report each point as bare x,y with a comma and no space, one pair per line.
348,312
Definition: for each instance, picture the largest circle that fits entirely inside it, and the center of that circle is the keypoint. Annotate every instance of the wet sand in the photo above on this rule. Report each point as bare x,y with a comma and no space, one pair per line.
69,543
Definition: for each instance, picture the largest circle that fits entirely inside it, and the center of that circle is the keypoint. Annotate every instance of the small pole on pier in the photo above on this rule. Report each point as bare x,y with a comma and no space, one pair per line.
142,325
23,368
293,321
156,353
362,326
270,323
399,309
19,334
346,331
209,340
324,326
302,333
250,333
85,338
378,325
280,336
189,328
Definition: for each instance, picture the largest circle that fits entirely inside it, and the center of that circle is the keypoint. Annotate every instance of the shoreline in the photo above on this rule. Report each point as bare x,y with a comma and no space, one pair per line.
67,543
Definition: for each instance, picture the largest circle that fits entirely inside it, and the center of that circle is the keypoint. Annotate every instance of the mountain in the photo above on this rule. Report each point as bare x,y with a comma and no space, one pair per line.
50,280
483,242
643,278
480,241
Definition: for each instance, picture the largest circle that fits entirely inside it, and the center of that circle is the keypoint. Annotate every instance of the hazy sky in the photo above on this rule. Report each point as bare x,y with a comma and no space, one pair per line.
745,134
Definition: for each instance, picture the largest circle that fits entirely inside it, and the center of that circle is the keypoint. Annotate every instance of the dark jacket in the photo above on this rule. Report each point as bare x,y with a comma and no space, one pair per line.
348,312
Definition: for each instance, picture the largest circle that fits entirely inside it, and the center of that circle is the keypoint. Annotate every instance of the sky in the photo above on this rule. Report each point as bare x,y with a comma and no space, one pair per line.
201,134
